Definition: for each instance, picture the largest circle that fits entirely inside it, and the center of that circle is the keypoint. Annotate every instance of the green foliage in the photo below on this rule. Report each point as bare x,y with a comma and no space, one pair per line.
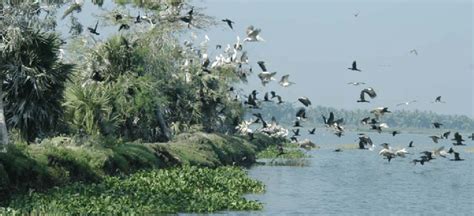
33,81
185,189
290,153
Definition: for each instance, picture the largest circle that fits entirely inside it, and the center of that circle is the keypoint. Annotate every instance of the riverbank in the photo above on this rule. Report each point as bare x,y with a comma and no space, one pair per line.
61,161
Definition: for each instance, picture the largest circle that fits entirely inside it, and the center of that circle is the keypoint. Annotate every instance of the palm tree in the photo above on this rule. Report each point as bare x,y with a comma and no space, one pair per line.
33,81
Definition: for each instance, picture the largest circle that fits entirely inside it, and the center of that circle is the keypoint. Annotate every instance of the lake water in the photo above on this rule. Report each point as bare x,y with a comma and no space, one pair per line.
360,182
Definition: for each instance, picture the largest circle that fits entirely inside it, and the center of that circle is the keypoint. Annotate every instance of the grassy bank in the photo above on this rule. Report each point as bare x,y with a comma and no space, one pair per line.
65,161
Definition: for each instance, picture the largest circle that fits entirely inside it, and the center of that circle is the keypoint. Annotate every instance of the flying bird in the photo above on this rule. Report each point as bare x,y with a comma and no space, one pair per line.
456,157
253,34
124,26
229,23
296,132
305,101
354,67
265,76
435,138
410,145
285,82
94,30
438,100
356,83
458,139
312,131
414,51
395,133
407,103
437,124
446,134
380,111
370,92
301,114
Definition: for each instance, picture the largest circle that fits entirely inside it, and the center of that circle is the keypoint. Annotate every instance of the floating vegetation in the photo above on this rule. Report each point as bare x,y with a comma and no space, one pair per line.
289,153
185,189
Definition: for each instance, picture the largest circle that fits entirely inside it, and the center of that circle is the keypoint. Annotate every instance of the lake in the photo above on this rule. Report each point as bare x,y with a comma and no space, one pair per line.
360,182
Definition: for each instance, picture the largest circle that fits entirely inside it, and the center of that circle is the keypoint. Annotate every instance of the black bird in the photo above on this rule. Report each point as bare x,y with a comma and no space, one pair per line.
94,30
273,94
124,26
218,46
451,150
229,23
456,157
411,144
458,139
421,161
252,102
437,124
312,131
266,99
262,65
259,116
280,152
296,132
329,121
364,141
191,12
301,114
118,17
446,134
354,67
365,121
251,135
338,133
471,137
338,150
435,138
294,139
297,124
395,133
254,94
280,101
438,100
305,101
138,19
428,155
370,92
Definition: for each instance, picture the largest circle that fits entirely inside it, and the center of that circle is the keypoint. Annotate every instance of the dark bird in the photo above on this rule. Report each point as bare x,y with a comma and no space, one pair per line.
259,116
428,155
414,51
451,150
471,137
266,98
251,101
218,46
435,138
273,94
138,19
370,92
446,134
338,150
312,131
365,121
94,30
437,124
280,101
329,121
410,145
354,67
118,17
262,65
229,23
124,26
305,101
378,127
458,139
296,132
251,136
294,139
456,157
365,141
380,111
301,114
297,124
421,161
438,100
338,133
395,133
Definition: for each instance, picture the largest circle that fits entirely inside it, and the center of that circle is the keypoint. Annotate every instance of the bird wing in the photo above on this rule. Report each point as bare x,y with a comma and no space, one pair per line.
371,92
354,64
262,65
249,29
331,118
96,24
362,97
284,79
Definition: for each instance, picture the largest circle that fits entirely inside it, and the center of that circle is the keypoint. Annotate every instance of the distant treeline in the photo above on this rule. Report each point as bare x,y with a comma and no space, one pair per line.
285,114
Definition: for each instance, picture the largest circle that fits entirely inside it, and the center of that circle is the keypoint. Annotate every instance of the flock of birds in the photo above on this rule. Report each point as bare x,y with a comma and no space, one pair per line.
234,56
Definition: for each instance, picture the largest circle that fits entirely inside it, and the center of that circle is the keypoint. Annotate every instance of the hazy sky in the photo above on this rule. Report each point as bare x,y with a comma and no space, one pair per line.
315,41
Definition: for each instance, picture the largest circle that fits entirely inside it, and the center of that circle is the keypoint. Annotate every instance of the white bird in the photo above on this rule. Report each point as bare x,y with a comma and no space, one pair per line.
401,153
440,152
265,76
285,82
380,111
407,102
253,34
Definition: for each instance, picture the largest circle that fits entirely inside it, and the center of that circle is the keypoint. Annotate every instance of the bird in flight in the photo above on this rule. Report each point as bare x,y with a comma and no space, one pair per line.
370,92
354,67
265,76
229,23
124,26
356,83
305,101
437,124
94,30
413,51
253,34
285,82
438,100
407,103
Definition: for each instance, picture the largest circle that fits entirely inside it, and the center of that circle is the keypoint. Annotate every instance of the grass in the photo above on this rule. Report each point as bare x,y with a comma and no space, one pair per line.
184,189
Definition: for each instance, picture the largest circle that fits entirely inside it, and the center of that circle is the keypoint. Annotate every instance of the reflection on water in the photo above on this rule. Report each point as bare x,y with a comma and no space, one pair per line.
360,182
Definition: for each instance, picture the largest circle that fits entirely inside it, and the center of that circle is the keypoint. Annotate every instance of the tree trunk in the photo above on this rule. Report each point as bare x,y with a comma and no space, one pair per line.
3,123
163,126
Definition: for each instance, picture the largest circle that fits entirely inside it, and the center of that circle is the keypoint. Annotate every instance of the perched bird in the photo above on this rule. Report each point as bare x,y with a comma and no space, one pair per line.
124,26
435,138
437,124
312,131
305,101
229,23
410,145
253,34
94,30
354,67
285,82
370,92
458,139
356,83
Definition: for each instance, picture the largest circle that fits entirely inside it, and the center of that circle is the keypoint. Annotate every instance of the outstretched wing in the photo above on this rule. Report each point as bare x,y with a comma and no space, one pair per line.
262,65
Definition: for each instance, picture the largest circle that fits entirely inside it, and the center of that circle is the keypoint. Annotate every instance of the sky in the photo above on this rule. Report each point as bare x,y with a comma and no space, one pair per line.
315,41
